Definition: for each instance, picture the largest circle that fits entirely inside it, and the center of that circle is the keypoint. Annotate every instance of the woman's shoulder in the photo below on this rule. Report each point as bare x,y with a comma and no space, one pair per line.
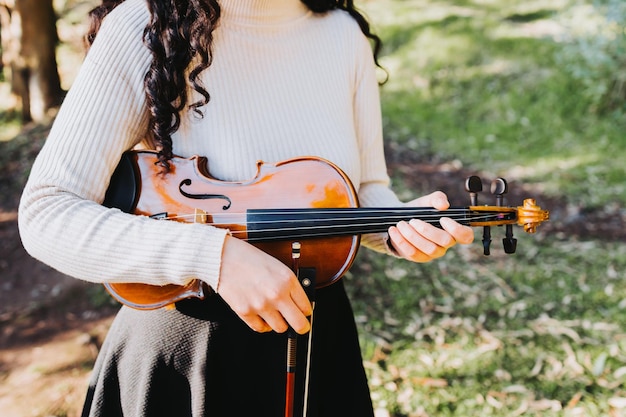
341,19
343,26
346,34
129,18
119,41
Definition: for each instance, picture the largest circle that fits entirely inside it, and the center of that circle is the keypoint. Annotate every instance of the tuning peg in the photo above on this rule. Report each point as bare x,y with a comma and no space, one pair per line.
499,187
473,185
509,242
486,240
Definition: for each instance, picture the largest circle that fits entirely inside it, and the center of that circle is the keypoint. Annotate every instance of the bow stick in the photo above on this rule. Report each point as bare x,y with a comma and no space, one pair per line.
306,276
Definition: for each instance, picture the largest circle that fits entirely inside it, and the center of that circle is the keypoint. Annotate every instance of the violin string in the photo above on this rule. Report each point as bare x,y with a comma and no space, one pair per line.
308,218
389,214
323,229
388,220
428,218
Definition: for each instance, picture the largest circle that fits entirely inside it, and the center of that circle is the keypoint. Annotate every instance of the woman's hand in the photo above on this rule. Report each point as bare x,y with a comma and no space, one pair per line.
419,241
261,290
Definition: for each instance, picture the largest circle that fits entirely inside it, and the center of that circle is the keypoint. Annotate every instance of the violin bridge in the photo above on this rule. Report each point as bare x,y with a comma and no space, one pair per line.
200,216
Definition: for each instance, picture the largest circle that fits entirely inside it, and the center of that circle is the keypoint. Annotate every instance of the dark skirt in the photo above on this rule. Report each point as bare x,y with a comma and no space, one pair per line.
200,359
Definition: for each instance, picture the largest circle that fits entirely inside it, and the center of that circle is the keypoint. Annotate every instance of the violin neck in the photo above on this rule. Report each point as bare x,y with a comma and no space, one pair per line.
285,224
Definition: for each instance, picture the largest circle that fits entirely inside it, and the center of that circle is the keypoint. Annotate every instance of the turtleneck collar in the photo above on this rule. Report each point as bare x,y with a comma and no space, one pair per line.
262,12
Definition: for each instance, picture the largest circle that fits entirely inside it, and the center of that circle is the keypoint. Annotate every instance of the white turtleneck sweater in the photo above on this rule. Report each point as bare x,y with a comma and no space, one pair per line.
285,82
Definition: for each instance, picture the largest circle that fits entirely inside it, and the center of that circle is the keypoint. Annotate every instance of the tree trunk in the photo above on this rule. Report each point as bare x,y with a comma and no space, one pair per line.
5,21
30,51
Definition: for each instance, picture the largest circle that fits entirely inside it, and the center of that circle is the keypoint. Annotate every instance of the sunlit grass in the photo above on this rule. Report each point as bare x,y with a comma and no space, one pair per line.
10,122
537,333
541,332
484,84
10,128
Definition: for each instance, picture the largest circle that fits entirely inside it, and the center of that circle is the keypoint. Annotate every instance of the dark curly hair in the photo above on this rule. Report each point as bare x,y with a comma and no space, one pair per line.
179,32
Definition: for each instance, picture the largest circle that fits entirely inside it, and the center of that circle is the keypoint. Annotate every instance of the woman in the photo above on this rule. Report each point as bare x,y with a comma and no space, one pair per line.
236,81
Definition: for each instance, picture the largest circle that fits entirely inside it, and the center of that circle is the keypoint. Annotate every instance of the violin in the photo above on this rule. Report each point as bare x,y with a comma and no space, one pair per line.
307,200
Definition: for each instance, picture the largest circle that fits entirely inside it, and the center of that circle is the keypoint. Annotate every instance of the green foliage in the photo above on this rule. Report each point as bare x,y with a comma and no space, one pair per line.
497,86
595,54
487,86
534,333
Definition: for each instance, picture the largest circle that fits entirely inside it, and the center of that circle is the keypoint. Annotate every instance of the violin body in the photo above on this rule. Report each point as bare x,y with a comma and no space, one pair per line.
307,200
188,193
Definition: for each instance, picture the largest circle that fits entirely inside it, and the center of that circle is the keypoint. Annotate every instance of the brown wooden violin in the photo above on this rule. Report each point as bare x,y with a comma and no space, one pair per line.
305,199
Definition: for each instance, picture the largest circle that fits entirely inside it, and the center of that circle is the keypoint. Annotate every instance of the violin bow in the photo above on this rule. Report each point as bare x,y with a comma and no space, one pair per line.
306,277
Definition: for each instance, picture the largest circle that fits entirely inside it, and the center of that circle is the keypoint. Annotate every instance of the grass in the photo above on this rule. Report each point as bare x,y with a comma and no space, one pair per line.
486,83
492,85
538,333
541,328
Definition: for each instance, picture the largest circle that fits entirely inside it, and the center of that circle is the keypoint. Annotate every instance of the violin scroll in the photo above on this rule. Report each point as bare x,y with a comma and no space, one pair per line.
530,215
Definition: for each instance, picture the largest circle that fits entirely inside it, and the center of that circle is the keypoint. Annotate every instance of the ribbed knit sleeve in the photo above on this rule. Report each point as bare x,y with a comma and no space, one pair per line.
284,83
374,188
61,221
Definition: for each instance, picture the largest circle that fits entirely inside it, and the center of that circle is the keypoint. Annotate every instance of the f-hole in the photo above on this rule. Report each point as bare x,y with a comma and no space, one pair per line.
187,182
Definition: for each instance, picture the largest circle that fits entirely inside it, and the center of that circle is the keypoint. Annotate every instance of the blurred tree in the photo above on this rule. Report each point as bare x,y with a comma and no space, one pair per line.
29,40
4,24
